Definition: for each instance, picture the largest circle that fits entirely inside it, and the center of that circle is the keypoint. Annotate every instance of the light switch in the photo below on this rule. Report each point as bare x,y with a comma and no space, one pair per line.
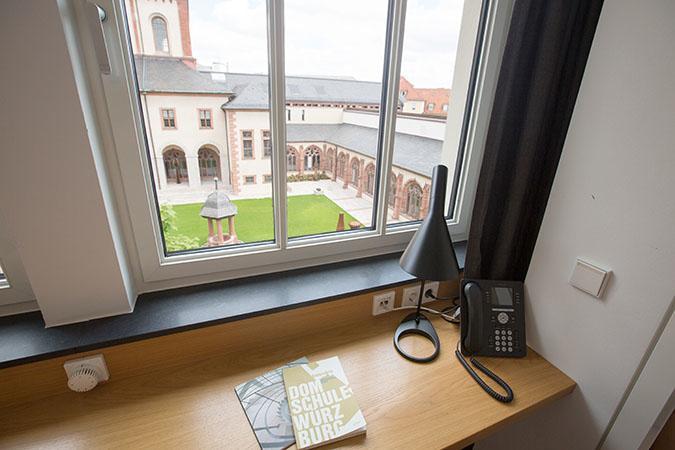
589,278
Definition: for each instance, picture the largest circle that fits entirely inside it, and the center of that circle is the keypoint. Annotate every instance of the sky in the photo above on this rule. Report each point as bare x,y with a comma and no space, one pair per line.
343,38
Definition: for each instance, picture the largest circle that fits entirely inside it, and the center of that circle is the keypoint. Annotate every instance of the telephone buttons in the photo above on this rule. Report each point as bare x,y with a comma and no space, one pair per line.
502,318
509,332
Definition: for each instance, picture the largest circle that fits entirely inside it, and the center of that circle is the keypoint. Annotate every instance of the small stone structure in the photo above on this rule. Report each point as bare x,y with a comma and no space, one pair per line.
218,207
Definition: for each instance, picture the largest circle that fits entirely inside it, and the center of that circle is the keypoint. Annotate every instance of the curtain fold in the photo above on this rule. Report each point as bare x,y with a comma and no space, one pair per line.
544,59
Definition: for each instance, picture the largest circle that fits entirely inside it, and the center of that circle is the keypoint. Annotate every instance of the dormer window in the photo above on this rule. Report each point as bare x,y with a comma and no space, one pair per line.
160,34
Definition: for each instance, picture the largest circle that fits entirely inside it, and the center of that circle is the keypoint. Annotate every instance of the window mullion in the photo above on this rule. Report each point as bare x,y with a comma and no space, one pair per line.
277,91
388,124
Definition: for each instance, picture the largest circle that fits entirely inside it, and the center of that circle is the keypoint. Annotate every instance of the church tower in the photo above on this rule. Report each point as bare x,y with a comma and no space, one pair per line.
160,28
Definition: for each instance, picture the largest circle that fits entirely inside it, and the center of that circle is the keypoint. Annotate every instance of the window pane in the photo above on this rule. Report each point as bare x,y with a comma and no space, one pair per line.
3,279
427,65
204,109
334,67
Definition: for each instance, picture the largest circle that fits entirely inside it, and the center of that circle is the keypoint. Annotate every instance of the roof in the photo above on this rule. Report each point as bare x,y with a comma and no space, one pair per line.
164,74
415,153
218,206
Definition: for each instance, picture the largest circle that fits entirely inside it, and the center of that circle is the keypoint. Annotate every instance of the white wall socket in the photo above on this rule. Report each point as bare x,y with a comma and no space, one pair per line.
383,303
433,285
410,295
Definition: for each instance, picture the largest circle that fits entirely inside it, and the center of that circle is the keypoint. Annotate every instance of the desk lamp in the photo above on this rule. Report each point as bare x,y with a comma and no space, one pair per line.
429,257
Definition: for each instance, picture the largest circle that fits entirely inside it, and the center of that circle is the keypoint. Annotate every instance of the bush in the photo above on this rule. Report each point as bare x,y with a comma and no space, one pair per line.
174,242
314,176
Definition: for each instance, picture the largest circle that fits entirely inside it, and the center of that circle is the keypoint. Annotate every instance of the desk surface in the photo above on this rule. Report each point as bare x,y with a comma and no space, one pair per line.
193,405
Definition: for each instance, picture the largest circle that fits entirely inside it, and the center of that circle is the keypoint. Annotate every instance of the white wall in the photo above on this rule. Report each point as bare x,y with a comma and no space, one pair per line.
425,127
613,202
51,189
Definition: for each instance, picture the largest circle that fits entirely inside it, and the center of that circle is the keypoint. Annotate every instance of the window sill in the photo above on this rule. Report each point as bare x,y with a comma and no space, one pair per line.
25,339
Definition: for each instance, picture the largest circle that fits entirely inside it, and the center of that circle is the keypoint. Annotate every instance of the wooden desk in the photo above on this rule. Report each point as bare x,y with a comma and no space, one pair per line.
177,391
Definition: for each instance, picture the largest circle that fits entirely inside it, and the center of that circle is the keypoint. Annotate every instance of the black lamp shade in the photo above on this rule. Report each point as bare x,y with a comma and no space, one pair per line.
430,254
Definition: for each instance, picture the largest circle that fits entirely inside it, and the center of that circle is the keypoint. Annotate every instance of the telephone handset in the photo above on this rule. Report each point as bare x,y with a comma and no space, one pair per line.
492,323
492,318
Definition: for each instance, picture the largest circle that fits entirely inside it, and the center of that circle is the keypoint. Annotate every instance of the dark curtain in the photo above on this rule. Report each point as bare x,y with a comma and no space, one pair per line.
544,59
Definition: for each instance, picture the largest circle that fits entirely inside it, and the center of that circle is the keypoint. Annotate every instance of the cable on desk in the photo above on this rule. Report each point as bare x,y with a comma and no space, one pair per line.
508,398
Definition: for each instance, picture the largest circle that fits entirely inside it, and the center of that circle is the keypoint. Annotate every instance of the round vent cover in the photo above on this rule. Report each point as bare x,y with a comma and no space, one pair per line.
84,379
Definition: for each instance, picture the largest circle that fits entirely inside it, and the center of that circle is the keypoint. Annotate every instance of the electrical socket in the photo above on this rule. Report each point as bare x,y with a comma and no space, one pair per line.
433,285
383,303
411,295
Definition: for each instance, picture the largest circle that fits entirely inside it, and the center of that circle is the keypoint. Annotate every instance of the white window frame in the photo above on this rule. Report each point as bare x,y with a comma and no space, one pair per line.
117,96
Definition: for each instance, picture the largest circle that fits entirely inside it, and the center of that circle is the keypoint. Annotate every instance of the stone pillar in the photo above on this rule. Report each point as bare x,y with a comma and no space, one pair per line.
335,164
359,190
301,160
219,225
210,228
230,228
341,222
398,198
160,172
424,208
348,173
193,171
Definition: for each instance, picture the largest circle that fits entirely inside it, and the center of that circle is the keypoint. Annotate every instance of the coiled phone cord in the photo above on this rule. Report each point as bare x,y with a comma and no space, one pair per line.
494,394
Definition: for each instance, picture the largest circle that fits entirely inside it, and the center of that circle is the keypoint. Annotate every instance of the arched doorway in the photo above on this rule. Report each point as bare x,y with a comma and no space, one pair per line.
291,159
370,179
175,166
356,167
312,159
414,200
209,164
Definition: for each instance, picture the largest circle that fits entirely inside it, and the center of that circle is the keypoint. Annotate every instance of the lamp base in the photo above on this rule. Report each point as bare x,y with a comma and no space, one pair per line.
417,323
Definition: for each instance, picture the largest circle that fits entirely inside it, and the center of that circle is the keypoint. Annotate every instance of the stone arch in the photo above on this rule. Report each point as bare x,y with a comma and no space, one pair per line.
355,172
370,179
413,199
291,159
175,164
342,165
312,158
208,157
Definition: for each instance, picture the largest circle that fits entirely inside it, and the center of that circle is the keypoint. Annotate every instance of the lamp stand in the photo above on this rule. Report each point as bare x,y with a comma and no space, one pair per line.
417,323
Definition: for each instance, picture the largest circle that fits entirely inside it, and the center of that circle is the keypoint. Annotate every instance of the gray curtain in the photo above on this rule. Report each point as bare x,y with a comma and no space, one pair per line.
544,59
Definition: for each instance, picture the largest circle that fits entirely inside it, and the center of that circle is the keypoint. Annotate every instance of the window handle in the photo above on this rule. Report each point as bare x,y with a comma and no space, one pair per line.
95,16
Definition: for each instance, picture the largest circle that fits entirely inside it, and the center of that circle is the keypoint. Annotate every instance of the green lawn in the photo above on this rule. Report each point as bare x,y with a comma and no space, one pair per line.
307,214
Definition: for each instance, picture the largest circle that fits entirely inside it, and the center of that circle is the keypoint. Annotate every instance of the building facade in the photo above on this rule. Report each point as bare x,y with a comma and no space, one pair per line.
204,122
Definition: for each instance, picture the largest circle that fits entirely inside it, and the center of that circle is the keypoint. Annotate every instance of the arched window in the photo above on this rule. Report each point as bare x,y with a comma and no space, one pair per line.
175,166
312,159
159,32
414,201
392,190
342,165
370,179
209,164
355,173
291,160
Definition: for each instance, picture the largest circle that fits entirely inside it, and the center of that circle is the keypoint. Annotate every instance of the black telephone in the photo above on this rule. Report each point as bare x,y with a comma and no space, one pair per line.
492,323
492,318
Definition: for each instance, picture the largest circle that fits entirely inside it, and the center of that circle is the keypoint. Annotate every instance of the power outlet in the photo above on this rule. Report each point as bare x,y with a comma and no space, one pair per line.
383,303
433,286
411,295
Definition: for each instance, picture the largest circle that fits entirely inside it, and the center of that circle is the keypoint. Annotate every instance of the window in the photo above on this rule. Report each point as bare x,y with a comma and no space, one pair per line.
431,106
168,118
357,138
205,118
267,144
247,144
160,35
445,107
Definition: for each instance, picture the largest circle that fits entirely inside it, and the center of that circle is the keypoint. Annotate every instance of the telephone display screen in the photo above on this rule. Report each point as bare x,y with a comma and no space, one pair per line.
502,296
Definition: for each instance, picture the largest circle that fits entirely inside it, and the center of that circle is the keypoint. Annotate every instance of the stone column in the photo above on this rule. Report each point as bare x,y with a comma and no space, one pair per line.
348,173
231,230
219,225
160,172
193,171
301,161
210,228
424,208
335,164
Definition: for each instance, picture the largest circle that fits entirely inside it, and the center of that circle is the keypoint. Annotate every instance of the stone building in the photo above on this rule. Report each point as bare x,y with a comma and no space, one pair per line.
204,122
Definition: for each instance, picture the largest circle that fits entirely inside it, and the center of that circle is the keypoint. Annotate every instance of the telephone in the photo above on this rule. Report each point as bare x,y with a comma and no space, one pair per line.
492,323
492,318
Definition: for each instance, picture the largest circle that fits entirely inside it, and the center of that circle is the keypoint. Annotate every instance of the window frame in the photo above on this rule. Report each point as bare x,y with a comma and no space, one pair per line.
119,97
252,139
209,118
154,37
268,138
175,121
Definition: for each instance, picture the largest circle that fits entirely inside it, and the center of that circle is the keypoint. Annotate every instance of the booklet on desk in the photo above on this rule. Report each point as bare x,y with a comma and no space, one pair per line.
266,407
323,407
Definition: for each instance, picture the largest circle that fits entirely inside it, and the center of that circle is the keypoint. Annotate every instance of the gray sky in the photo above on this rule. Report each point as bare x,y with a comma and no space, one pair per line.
329,38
